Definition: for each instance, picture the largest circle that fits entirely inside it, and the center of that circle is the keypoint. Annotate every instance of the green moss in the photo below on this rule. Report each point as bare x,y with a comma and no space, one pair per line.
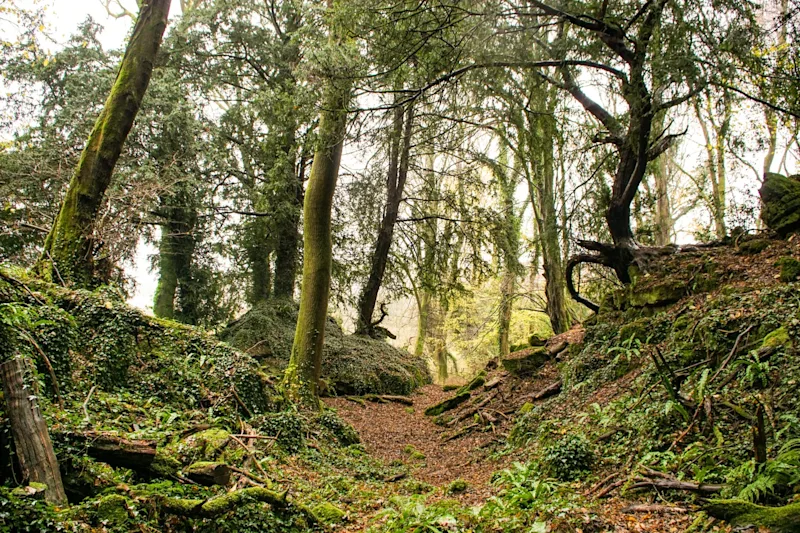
112,510
790,269
527,407
446,405
327,513
458,486
413,453
660,294
781,203
476,382
752,247
784,519
777,338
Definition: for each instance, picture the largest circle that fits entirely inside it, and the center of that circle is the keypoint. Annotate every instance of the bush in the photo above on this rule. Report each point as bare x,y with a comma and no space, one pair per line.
570,458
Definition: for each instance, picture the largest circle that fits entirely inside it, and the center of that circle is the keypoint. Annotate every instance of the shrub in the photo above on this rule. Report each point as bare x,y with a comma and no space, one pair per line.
570,458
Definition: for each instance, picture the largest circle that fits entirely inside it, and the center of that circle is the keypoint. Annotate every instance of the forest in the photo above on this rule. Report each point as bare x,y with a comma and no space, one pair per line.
399,266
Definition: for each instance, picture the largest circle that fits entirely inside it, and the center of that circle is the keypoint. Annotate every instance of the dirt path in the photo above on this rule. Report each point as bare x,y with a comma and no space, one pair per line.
388,430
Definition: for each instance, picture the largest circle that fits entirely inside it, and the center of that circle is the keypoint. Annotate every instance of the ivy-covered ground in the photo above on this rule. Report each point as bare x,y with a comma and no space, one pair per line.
647,418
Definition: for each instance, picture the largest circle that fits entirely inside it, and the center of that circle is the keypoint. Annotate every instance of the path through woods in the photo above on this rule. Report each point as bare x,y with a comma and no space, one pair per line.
389,430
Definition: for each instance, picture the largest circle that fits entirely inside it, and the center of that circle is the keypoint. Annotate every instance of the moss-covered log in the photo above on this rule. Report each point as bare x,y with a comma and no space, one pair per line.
784,519
222,504
71,248
447,405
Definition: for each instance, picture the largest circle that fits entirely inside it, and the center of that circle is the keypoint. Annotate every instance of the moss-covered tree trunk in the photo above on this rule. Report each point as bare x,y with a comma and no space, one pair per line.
259,248
175,257
399,155
31,438
508,244
302,374
71,248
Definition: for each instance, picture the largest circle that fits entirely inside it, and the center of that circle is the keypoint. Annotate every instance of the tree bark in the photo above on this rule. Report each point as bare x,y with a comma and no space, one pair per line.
259,249
302,374
395,184
71,250
31,439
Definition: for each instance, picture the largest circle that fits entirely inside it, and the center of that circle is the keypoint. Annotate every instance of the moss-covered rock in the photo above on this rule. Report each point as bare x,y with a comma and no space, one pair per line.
656,295
780,197
790,269
474,383
752,247
777,338
457,486
351,364
526,362
327,513
112,510
784,519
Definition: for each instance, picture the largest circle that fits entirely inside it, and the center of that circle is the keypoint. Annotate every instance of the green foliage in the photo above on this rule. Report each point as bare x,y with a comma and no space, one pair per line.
343,432
26,514
776,477
570,458
288,427
411,514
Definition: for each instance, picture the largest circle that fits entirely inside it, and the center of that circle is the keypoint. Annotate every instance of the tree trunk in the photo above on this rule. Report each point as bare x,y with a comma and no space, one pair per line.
71,248
176,254
302,374
258,255
664,220
395,183
423,308
507,288
286,252
31,439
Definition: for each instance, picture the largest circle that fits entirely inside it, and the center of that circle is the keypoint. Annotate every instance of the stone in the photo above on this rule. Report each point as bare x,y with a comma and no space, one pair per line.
661,294
790,269
535,340
209,474
526,362
327,513
752,247
780,198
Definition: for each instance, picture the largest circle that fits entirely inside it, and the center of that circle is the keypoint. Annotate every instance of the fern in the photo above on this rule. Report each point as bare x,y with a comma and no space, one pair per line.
776,475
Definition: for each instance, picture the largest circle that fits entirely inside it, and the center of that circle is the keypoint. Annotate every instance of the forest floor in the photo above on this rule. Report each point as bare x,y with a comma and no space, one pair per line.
394,432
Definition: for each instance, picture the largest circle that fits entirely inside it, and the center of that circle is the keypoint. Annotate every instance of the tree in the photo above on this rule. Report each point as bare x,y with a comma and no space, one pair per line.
300,381
71,250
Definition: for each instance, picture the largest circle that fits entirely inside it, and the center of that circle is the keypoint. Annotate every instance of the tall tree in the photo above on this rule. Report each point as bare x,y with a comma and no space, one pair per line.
399,154
301,378
72,249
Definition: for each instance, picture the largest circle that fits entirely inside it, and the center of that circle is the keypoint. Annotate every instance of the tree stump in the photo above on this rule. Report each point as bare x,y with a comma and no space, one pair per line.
29,429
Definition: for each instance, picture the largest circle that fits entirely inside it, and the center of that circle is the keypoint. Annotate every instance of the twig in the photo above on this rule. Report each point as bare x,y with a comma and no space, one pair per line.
653,508
86,403
241,403
600,483
55,267
733,352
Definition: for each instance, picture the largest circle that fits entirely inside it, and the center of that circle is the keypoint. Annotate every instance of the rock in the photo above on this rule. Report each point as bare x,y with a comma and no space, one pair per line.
661,294
776,339
780,197
327,513
33,491
209,474
526,362
536,341
457,486
112,510
209,443
446,405
790,269
752,247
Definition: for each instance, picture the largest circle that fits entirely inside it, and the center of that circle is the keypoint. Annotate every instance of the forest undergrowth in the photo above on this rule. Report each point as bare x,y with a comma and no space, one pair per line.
671,409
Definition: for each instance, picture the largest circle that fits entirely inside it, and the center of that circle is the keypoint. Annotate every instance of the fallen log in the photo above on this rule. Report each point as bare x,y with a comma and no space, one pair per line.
209,474
784,519
447,405
550,390
653,508
674,484
117,451
385,398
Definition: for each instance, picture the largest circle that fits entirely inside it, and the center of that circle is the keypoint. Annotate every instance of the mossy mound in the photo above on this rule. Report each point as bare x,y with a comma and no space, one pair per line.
351,364
94,341
780,196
